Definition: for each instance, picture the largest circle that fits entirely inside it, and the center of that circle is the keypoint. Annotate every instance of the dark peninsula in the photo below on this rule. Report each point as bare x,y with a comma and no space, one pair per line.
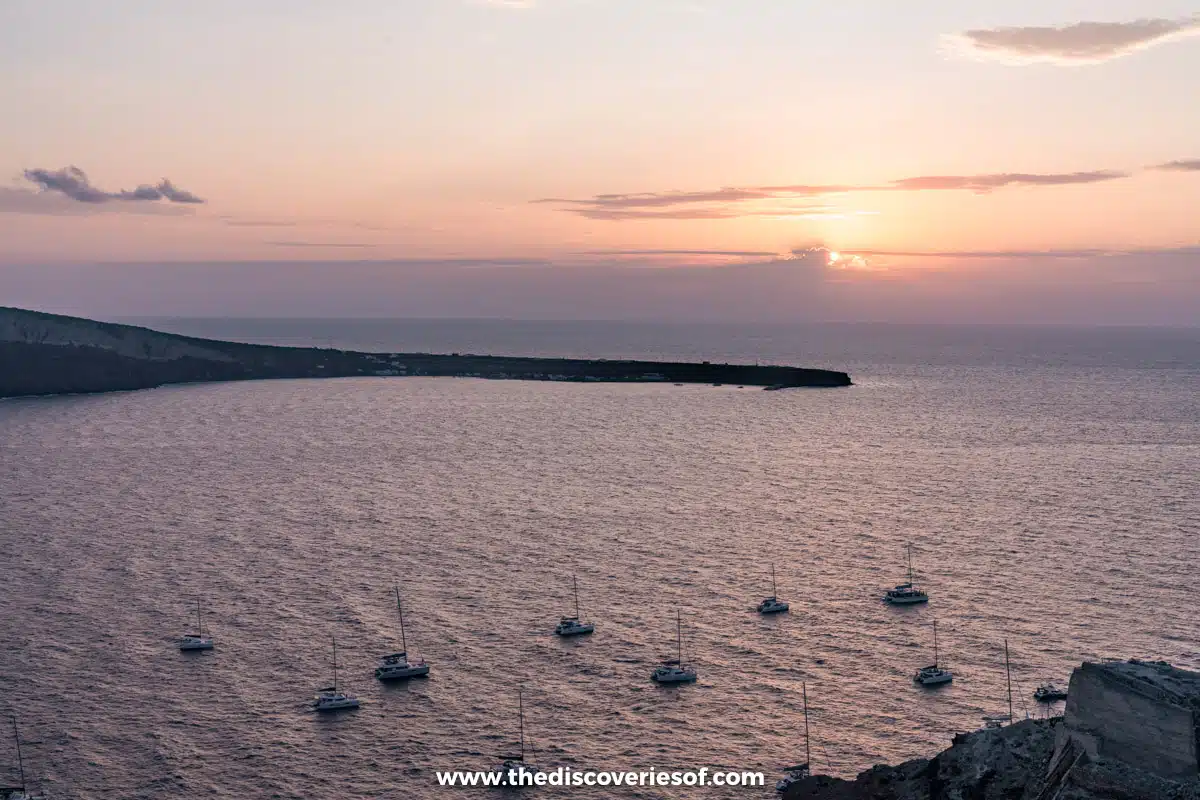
44,354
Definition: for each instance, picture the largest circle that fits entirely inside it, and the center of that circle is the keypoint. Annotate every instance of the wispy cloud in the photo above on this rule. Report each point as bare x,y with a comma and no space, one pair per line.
1080,43
507,3
724,195
1090,253
746,201
72,182
252,222
1186,165
233,222
43,203
321,244
982,184
677,213
729,253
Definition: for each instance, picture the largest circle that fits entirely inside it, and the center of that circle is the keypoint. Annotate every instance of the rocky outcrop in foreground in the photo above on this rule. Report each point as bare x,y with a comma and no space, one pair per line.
51,354
1131,732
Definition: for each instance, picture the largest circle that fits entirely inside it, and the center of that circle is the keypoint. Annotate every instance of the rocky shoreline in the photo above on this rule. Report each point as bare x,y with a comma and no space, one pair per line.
1131,732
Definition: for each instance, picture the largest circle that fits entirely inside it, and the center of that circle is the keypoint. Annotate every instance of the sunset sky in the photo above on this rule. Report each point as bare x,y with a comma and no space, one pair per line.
959,158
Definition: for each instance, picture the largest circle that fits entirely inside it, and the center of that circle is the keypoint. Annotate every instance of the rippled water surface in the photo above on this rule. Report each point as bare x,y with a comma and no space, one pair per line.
1048,480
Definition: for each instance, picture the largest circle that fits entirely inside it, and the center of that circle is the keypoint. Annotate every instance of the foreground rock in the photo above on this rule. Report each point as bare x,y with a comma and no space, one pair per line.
1131,732
52,354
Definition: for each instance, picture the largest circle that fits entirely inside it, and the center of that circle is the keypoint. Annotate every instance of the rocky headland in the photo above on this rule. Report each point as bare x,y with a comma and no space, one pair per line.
44,354
1131,731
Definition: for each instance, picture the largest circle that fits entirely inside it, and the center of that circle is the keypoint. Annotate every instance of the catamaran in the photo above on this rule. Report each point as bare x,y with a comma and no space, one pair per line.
906,594
933,674
398,666
800,771
512,767
674,671
330,699
573,626
772,604
198,640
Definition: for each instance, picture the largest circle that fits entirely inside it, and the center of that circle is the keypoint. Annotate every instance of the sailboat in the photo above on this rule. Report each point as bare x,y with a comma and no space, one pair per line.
573,626
512,767
800,771
20,791
906,594
933,674
999,720
1049,692
198,640
772,604
674,671
330,699
397,666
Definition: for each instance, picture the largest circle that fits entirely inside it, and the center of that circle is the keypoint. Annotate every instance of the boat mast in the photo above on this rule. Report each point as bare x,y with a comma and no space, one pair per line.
774,591
335,663
399,608
1008,679
199,624
910,569
807,750
575,583
679,636
935,652
20,763
521,720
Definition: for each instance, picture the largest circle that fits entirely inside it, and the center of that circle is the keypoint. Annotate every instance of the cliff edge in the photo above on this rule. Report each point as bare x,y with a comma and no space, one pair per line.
1131,732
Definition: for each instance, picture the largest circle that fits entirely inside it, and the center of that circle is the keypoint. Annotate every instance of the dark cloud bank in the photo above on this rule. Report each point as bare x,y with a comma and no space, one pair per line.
1145,287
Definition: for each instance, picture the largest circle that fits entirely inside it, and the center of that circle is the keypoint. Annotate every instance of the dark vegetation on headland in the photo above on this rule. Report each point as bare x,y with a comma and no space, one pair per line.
51,354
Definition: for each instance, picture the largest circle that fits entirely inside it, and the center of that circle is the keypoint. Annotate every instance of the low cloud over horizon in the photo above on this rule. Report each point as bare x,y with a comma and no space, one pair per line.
1137,286
1067,45
1185,165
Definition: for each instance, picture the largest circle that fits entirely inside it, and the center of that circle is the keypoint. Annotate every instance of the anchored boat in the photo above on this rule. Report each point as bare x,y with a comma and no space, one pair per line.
674,671
20,791
399,666
574,626
800,771
772,604
198,640
511,768
906,594
933,675
330,699
1049,693
999,720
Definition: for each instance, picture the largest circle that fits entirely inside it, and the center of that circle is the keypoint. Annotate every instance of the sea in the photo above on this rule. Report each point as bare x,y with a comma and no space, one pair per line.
1047,480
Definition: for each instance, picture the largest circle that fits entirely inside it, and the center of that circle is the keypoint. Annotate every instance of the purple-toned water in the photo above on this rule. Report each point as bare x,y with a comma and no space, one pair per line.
1046,477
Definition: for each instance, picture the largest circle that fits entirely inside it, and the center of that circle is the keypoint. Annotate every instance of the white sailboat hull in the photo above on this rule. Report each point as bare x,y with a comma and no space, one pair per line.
400,673
674,676
196,644
933,680
574,630
335,703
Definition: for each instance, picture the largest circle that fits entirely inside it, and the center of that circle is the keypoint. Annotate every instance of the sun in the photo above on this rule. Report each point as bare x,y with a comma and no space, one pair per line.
834,256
